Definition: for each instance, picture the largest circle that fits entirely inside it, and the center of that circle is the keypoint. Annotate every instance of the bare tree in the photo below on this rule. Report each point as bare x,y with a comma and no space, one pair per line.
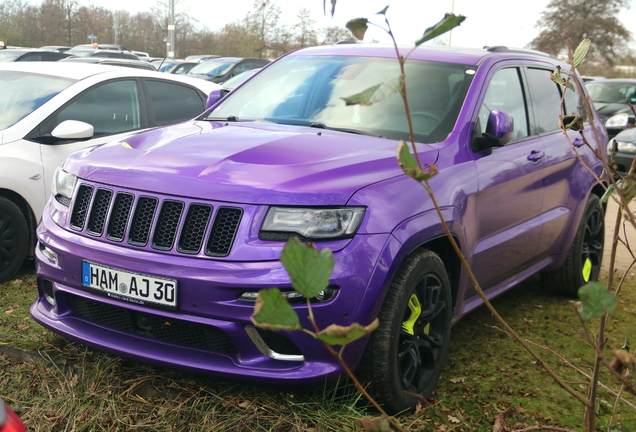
307,34
335,34
581,19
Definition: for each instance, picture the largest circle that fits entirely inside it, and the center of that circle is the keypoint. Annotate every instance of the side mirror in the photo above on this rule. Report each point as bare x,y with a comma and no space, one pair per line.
213,98
73,130
499,131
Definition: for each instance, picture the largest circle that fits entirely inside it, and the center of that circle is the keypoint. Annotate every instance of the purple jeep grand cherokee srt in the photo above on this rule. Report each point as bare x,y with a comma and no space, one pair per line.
155,248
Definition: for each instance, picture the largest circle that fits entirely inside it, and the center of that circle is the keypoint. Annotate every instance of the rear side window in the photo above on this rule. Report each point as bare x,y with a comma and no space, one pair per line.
173,102
505,93
574,104
546,100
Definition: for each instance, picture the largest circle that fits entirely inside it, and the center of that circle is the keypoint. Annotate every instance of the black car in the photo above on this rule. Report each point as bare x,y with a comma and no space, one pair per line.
138,64
610,98
222,69
30,55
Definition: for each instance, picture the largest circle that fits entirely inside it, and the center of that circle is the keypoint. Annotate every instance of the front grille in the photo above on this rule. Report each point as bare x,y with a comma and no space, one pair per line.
164,224
153,326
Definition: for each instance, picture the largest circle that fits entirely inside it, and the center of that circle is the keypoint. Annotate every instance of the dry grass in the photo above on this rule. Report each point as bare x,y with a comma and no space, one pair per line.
487,376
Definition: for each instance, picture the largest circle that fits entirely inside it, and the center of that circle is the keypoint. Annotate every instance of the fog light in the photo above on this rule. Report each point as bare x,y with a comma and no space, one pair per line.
47,290
294,296
50,254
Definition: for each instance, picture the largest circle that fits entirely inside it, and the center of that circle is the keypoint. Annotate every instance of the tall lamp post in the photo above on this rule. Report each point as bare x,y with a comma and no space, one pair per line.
171,44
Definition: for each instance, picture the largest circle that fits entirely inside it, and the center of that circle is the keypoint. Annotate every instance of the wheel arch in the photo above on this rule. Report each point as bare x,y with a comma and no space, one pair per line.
26,210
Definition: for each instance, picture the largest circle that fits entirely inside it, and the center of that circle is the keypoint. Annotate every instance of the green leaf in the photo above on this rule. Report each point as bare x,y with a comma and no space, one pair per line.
409,165
358,27
273,312
383,11
610,190
449,22
596,300
376,93
581,52
338,335
308,268
556,77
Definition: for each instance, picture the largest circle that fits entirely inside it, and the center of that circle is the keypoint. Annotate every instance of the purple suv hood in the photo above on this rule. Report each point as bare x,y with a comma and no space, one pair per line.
250,163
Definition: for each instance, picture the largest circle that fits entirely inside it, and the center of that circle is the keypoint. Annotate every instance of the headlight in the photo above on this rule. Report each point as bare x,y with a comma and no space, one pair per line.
63,186
311,223
626,147
619,120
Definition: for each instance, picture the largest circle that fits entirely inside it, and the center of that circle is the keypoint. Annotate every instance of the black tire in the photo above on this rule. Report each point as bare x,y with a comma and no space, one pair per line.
14,238
583,263
395,362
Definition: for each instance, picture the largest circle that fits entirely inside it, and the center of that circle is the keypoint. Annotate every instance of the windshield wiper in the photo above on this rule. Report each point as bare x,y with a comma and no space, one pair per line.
320,125
230,118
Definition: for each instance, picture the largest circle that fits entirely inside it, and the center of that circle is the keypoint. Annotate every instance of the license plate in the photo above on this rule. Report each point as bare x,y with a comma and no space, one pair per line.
128,286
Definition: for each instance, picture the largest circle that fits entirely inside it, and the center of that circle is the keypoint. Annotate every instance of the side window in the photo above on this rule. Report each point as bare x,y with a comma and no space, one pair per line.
574,104
505,93
173,102
546,100
241,68
32,57
111,108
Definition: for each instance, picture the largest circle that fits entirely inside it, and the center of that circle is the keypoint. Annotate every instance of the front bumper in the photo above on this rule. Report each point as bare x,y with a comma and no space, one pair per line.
210,332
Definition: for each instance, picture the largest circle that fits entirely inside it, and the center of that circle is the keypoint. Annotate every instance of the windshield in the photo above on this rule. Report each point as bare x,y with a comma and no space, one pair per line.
24,92
309,91
8,56
612,92
214,68
80,53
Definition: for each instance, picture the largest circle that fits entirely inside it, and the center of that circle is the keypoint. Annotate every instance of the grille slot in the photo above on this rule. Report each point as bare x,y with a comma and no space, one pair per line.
99,211
176,331
167,225
82,204
142,221
119,217
223,231
194,228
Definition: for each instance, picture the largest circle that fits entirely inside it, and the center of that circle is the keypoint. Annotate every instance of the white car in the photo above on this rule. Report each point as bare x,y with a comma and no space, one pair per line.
50,109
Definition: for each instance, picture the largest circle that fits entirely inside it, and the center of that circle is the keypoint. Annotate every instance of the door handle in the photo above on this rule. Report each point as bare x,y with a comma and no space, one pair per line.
535,155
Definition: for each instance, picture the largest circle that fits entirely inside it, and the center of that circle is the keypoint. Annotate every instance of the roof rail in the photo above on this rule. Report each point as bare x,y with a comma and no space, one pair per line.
503,48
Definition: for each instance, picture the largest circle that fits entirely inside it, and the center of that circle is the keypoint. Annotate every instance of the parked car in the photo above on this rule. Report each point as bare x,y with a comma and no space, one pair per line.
46,113
16,55
239,79
112,47
222,69
155,247
625,143
102,53
138,64
142,55
56,48
174,66
9,421
610,100
201,57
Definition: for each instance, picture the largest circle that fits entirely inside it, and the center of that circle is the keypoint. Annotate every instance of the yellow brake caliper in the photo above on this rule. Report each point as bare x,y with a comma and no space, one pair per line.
416,311
587,270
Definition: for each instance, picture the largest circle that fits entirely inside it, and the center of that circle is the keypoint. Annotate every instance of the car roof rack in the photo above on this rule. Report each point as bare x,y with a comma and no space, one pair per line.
503,48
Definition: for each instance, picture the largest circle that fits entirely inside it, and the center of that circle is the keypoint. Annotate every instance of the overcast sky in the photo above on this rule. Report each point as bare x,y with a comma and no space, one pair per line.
489,22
